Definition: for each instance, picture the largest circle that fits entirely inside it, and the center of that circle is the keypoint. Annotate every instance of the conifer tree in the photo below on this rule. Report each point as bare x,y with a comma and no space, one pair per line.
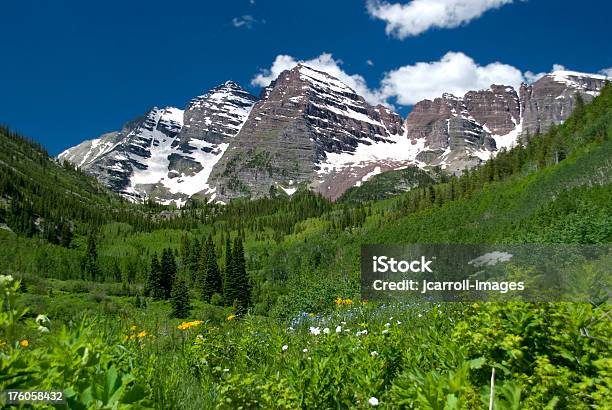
90,267
241,279
179,299
168,271
154,286
229,282
211,275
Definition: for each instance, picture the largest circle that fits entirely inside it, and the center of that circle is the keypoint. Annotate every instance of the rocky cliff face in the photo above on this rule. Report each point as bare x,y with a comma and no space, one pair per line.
454,139
551,100
308,128
168,154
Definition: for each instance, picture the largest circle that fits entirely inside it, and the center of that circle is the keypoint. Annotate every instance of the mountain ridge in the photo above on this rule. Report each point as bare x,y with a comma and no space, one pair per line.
309,128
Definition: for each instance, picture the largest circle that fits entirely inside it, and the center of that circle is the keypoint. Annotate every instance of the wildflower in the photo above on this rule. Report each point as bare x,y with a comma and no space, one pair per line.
373,401
231,317
362,332
374,353
399,323
387,324
5,279
285,347
42,319
344,323
133,327
24,343
315,330
339,301
311,315
226,370
187,325
326,330
43,329
338,329
384,332
142,334
348,302
420,315
305,350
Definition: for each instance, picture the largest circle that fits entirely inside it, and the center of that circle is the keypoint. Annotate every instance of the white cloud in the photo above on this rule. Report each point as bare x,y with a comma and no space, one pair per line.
326,63
418,16
370,62
606,71
246,21
455,73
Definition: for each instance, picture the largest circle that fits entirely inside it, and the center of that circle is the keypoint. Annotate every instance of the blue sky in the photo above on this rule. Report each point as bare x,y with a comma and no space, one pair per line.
72,70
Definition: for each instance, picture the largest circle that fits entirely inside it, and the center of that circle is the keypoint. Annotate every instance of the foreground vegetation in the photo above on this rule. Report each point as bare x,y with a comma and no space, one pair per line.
84,310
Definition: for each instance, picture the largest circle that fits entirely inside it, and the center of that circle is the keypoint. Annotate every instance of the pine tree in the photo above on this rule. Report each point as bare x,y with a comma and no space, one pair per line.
243,285
229,282
179,299
168,271
154,286
211,275
90,267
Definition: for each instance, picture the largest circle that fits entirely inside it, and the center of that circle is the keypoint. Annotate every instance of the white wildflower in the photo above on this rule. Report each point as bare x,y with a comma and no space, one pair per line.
326,330
385,331
5,279
285,347
374,353
315,330
305,350
387,324
373,401
338,329
42,319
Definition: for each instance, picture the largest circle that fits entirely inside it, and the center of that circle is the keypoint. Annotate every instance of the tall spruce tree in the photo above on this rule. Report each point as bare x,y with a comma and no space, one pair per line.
90,267
212,276
168,271
229,280
154,287
179,299
243,284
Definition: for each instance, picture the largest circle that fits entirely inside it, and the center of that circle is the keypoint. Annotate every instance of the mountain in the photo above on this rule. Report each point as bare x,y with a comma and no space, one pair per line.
309,128
167,154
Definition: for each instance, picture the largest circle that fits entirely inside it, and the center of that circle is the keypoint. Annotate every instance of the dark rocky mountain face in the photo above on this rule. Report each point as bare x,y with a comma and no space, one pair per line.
551,100
305,117
168,154
308,128
454,140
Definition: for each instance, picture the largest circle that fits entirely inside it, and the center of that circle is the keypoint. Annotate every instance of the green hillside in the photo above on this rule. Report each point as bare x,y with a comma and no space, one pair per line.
391,183
306,341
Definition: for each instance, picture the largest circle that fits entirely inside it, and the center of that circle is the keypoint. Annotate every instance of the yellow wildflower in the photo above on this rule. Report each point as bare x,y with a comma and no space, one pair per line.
231,317
24,343
348,302
133,327
339,301
187,325
311,315
142,334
